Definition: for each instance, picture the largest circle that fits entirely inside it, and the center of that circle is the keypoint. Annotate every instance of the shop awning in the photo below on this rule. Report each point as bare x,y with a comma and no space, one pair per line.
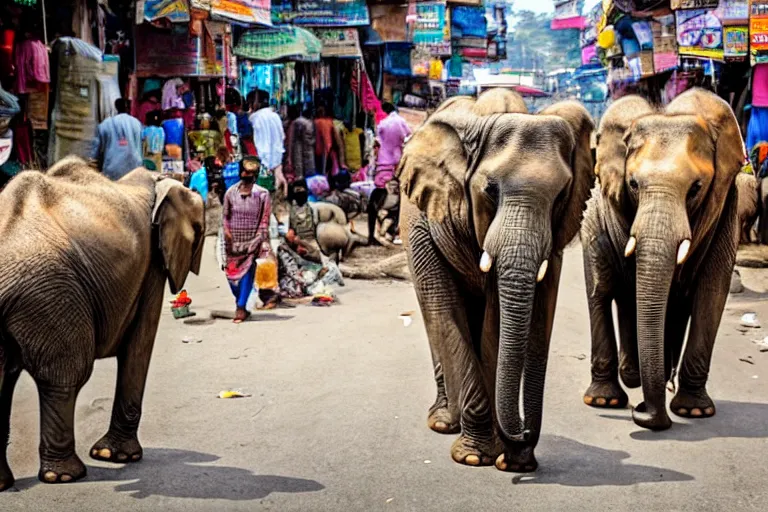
524,90
279,44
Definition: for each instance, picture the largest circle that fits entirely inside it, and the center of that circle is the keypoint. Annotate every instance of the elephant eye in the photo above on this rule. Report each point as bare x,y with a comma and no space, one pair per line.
492,189
633,183
695,188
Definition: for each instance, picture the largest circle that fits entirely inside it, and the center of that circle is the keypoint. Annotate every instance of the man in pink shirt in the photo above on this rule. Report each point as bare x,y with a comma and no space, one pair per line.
392,132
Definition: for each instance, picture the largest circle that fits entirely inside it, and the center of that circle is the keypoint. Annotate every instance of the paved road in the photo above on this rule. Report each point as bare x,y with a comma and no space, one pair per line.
337,421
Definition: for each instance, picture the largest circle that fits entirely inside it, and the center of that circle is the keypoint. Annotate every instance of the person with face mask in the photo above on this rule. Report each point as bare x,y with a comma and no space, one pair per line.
246,214
301,222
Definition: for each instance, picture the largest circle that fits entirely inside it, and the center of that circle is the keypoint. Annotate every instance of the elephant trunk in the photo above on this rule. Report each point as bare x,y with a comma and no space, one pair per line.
521,262
662,237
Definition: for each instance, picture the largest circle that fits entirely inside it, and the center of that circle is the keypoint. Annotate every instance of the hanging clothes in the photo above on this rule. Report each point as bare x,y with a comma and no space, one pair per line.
171,96
32,66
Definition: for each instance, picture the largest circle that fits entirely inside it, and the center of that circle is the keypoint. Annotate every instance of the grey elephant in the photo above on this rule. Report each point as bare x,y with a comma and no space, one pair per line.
83,267
659,239
489,202
747,209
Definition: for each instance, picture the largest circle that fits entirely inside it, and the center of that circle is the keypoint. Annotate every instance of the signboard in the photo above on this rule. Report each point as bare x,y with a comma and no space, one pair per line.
734,12
736,42
338,42
694,4
699,34
758,25
177,11
432,29
331,13
567,9
243,11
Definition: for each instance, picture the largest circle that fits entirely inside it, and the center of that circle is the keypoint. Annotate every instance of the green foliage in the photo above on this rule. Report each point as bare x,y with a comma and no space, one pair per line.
533,44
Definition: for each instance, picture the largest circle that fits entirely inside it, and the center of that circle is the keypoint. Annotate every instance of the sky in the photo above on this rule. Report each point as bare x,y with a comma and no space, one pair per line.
545,5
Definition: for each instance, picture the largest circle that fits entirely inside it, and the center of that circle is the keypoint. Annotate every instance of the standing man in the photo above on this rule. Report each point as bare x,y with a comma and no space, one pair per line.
301,145
246,213
393,131
269,137
117,149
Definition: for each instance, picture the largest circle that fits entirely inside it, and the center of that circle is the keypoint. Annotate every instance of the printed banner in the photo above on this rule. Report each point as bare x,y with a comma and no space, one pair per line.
331,13
734,12
177,11
243,11
736,42
694,4
758,26
567,9
699,34
338,42
431,28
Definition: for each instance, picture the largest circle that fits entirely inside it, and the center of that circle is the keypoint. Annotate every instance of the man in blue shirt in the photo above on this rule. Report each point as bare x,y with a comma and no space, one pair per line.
117,148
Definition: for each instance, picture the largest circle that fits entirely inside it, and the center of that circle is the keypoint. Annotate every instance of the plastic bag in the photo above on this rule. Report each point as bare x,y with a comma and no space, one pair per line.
266,274
318,185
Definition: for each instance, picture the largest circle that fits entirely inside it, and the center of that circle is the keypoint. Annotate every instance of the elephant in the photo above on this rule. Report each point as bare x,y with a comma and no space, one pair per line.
83,268
747,209
488,203
659,239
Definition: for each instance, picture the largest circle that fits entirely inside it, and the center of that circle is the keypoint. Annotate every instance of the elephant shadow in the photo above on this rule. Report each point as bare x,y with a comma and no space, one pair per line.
573,464
745,420
186,474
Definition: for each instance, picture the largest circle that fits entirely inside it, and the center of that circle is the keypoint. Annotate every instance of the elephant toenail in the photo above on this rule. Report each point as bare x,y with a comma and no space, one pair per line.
135,456
440,425
588,399
682,411
696,412
94,453
66,478
709,411
472,460
501,463
600,401
50,476
105,453
614,402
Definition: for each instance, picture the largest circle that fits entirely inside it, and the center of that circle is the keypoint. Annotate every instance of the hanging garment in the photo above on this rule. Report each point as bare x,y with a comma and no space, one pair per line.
757,130
32,66
760,85
171,96
353,154
22,142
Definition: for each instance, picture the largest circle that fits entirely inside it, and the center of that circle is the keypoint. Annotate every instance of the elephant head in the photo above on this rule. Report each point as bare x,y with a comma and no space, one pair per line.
517,185
179,215
668,176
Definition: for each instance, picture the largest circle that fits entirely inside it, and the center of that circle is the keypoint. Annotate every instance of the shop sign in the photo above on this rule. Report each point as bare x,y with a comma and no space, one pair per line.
736,42
331,13
243,11
758,26
699,34
734,12
168,54
694,4
432,27
338,42
567,9
176,11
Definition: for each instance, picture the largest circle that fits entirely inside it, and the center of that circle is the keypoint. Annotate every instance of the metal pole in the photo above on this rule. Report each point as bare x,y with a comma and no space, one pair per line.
45,25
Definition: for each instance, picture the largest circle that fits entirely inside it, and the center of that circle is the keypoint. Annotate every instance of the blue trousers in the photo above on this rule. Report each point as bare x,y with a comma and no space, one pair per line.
243,288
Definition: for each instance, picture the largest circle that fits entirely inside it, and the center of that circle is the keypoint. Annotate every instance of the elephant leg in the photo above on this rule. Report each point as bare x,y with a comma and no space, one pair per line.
629,361
445,317
519,455
121,444
9,375
692,399
58,461
605,390
678,314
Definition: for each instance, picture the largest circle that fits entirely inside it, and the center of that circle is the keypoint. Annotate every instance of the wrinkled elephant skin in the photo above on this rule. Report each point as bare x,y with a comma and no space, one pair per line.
660,237
99,253
490,197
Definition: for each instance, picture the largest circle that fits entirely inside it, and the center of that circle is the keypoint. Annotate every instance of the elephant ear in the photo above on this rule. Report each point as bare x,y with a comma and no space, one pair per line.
730,152
571,212
432,168
179,215
612,147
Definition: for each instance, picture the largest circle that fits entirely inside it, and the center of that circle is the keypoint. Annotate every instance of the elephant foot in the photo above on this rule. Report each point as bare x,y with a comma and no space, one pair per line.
441,421
606,394
110,450
475,453
688,404
6,477
61,471
517,461
630,377
652,420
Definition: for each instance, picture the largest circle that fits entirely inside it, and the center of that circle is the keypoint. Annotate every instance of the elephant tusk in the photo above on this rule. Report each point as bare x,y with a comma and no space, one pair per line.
542,271
630,249
682,252
486,261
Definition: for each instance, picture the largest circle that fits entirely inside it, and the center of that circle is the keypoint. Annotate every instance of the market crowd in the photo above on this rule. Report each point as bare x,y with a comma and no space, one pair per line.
287,186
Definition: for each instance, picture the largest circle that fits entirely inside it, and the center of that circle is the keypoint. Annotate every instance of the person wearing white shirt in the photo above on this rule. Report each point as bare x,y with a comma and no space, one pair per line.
269,138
